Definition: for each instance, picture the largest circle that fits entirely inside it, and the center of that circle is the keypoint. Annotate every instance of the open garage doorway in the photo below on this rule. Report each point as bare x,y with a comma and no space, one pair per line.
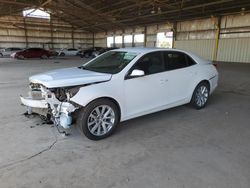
164,40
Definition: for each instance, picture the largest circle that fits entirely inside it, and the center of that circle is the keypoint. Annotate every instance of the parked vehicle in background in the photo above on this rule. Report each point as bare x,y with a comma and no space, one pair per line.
68,52
53,53
119,85
89,52
32,53
103,50
9,51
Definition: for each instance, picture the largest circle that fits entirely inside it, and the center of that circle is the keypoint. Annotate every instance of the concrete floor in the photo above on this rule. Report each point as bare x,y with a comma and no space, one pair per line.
176,148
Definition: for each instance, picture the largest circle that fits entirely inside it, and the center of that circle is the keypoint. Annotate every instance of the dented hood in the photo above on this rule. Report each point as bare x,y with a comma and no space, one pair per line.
69,77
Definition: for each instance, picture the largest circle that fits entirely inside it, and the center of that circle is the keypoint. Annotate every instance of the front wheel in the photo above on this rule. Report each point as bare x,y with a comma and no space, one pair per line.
98,120
62,54
20,57
200,95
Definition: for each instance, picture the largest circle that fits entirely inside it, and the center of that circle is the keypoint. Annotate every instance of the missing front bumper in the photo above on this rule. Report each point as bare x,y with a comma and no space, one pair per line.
60,112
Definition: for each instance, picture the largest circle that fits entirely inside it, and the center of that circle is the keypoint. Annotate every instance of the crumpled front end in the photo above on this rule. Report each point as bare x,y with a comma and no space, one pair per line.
54,103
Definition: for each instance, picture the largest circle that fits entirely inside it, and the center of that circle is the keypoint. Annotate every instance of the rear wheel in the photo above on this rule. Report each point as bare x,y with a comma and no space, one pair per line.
1,55
62,54
44,56
200,95
98,120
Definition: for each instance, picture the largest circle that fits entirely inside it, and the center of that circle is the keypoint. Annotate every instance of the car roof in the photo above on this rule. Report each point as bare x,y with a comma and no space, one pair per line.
144,50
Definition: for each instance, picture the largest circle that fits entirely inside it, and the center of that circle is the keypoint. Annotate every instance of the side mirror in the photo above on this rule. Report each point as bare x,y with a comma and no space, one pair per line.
137,73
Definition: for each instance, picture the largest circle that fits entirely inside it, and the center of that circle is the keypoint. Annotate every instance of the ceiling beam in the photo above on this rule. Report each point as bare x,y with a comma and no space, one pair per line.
177,10
16,3
96,12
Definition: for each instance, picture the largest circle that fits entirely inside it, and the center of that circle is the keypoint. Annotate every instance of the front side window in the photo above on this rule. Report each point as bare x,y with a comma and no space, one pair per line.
72,49
111,62
150,63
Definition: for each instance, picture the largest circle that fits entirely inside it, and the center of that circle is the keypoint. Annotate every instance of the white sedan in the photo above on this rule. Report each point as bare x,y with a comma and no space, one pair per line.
119,85
68,52
8,51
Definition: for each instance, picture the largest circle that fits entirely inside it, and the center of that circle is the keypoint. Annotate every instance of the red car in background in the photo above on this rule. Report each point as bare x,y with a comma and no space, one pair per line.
32,53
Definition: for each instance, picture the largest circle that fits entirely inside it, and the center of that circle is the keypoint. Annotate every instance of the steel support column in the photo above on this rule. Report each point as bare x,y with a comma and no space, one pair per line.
25,33
145,36
217,39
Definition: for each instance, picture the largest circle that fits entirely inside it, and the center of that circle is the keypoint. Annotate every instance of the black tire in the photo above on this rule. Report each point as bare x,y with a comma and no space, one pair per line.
1,55
195,101
84,115
44,57
86,55
62,54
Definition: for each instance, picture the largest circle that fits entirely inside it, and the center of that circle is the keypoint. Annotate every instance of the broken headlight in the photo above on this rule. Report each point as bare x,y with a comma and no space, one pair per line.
64,94
73,91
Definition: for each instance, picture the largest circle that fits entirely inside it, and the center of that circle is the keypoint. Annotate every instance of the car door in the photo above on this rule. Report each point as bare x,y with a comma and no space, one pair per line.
8,51
32,53
146,93
181,71
27,53
35,53
39,52
71,51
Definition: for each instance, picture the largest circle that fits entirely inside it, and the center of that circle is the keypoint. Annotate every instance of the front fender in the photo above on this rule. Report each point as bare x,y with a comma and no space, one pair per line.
109,89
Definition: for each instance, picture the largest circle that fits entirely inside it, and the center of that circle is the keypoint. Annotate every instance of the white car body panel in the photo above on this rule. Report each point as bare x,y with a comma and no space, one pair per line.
9,52
136,96
69,77
151,97
68,52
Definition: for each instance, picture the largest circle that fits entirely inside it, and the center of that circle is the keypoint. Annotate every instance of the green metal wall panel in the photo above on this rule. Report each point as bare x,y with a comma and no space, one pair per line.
203,48
234,50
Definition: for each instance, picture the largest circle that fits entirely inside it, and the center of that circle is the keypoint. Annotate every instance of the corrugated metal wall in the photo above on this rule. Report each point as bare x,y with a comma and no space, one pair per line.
234,50
15,31
203,48
100,39
199,36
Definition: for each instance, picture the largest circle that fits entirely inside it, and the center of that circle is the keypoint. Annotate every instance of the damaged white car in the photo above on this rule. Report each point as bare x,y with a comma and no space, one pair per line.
120,85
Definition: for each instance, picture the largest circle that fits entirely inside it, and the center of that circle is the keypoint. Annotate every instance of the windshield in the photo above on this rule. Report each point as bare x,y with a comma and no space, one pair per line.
111,62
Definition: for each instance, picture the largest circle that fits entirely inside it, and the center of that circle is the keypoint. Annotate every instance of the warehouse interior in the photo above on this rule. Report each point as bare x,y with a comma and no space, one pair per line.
209,28
179,147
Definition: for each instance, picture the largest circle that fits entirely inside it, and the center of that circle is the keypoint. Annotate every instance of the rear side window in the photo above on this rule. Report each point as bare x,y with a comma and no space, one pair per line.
177,60
14,49
190,61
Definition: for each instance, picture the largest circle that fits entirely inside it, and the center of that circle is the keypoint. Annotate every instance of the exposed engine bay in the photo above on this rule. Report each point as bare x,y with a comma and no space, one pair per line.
52,103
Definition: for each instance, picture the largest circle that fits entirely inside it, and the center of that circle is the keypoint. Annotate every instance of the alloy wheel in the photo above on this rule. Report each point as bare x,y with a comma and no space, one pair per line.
101,120
201,96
